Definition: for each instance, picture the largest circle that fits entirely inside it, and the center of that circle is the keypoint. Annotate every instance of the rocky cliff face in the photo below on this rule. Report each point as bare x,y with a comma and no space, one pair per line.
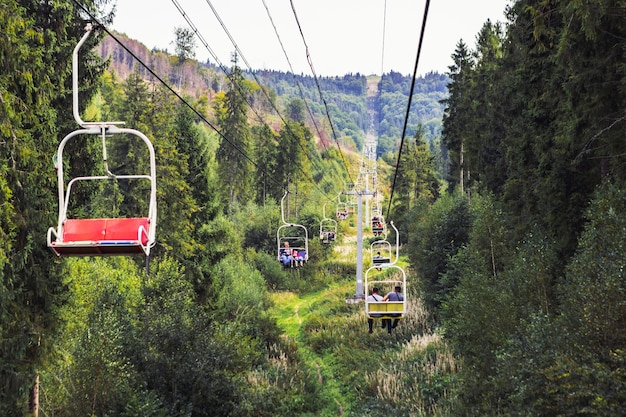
190,78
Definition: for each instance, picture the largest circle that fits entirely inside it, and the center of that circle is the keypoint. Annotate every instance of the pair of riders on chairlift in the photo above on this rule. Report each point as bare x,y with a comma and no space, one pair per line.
291,257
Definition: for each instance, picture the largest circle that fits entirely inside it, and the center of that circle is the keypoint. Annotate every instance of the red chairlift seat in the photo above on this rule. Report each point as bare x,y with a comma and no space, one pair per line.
108,236
98,237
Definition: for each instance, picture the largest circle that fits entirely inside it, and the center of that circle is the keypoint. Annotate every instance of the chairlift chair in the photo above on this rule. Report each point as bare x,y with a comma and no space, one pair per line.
101,236
381,252
342,210
387,281
378,225
292,235
387,309
328,228
384,248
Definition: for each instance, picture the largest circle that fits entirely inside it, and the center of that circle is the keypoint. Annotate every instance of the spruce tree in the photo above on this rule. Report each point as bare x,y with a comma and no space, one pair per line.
35,113
235,168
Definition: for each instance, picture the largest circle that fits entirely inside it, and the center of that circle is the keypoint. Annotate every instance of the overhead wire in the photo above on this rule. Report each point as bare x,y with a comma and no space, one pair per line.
223,68
408,107
310,61
280,41
299,85
174,92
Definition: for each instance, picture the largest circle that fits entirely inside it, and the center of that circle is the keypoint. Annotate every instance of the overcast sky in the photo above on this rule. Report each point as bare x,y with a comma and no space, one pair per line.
343,36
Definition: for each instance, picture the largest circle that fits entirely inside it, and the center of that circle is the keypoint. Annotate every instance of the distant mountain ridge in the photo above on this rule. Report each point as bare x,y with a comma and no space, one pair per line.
195,78
346,96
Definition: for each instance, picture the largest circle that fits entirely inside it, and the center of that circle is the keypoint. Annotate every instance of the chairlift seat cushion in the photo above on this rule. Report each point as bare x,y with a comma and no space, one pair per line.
106,230
380,261
96,237
389,309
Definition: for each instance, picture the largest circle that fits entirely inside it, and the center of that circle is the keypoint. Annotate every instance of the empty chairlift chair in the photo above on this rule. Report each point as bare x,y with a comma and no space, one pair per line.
110,235
121,232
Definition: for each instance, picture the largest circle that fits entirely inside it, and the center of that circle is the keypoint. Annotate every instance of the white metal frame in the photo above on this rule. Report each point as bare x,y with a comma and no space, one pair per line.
389,283
104,130
282,237
327,225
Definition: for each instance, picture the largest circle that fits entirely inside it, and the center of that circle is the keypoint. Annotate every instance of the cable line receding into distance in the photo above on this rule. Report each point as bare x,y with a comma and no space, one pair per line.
280,41
166,85
241,93
408,107
317,83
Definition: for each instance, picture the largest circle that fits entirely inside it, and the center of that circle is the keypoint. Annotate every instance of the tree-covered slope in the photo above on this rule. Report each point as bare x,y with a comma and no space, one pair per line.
342,99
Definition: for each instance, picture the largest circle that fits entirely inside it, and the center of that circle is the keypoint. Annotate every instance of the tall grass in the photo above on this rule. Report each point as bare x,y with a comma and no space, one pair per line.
410,372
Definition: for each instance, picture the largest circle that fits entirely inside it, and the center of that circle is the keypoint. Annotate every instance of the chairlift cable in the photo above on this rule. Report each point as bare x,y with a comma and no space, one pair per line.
171,89
225,70
408,108
319,90
184,101
319,133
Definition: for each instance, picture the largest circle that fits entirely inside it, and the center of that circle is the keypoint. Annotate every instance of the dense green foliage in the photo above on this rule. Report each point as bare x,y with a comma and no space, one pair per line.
35,80
534,126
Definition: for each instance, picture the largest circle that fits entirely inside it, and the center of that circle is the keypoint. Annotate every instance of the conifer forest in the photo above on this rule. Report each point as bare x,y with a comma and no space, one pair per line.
492,196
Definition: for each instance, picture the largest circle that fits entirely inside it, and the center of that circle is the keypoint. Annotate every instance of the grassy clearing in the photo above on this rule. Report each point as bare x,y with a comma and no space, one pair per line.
358,374
293,313
291,310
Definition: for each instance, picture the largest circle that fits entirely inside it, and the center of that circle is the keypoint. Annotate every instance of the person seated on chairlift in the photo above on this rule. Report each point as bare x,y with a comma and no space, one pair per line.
395,295
286,259
375,297
285,255
377,225
298,260
377,257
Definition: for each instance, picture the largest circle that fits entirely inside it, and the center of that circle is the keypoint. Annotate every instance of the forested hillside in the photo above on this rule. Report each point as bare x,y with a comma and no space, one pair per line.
509,196
346,97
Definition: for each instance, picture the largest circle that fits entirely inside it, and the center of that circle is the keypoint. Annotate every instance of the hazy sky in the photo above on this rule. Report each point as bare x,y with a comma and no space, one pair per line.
343,36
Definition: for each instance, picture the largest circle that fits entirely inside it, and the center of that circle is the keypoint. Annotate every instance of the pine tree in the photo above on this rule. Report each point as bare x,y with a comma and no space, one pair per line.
293,166
458,114
416,179
484,154
192,143
415,183
235,168
35,113
267,185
